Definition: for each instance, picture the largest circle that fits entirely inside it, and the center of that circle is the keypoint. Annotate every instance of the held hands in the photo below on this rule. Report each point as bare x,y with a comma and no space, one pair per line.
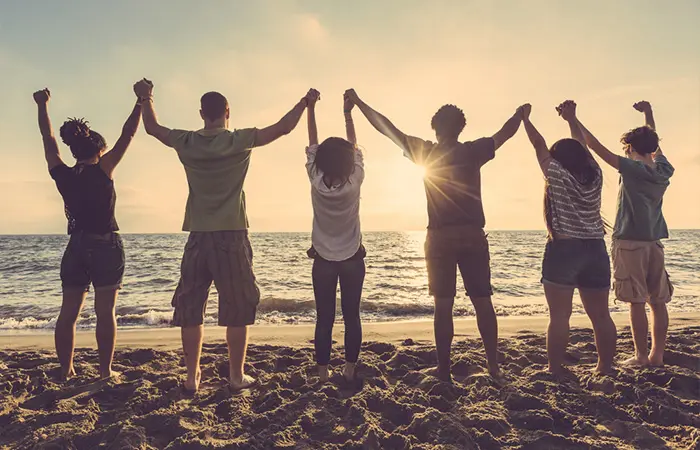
642,106
523,112
143,88
348,104
351,96
567,110
42,97
311,98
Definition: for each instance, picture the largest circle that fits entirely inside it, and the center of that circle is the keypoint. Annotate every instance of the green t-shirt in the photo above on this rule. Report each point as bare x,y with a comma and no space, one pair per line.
642,188
216,162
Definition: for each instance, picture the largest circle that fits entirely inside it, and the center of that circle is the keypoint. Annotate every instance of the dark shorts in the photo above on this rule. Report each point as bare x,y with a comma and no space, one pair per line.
576,263
226,258
464,247
96,259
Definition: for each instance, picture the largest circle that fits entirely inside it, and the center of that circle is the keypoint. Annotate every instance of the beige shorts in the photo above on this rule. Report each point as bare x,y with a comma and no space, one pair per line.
639,272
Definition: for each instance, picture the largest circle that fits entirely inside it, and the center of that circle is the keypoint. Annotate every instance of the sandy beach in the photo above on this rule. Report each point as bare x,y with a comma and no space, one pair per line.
399,405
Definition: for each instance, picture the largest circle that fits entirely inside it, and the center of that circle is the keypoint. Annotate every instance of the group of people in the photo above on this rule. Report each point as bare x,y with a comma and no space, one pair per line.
218,249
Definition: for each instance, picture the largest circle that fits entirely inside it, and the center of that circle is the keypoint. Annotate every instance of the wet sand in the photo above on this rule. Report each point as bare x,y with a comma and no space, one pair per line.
398,406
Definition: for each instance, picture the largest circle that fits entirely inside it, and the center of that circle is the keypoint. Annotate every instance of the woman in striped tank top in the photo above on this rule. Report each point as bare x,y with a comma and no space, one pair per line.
575,255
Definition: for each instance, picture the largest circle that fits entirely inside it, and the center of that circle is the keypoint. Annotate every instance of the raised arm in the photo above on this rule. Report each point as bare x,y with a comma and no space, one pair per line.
287,123
144,91
349,125
311,119
379,122
536,139
645,107
51,152
113,157
567,111
508,129
595,145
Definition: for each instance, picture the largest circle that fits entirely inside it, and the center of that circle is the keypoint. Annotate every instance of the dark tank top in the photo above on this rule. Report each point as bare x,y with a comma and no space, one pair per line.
89,198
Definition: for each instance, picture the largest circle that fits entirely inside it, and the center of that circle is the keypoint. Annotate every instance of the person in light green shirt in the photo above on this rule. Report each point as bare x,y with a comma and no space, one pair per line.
218,250
638,255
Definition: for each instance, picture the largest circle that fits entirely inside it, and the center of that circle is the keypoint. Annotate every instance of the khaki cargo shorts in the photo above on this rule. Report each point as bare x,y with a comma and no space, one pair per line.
639,272
226,258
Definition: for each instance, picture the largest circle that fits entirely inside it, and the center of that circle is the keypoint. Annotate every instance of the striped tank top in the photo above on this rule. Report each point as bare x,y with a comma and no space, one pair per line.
575,208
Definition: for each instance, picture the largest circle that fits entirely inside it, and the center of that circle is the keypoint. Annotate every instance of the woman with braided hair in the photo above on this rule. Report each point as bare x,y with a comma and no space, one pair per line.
95,252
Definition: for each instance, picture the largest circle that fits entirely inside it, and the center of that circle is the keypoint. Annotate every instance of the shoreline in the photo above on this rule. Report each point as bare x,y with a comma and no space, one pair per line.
419,330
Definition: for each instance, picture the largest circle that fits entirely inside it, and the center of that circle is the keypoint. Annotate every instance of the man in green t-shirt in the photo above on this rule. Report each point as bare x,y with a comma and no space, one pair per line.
638,254
218,250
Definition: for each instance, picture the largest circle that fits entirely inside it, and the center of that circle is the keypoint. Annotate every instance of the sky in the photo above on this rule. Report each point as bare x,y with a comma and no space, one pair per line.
405,58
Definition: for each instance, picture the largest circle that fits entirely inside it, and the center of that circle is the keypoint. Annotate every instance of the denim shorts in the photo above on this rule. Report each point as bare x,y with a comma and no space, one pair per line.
96,259
576,263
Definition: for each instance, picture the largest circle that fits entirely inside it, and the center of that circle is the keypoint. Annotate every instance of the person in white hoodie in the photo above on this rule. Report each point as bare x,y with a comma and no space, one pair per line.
336,173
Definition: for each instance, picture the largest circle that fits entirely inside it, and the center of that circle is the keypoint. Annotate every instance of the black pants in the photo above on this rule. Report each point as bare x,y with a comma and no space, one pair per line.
326,274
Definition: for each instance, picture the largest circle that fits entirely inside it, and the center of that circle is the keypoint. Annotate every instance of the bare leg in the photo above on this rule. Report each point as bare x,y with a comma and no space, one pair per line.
659,315
64,334
488,328
192,348
596,304
559,300
444,333
106,330
640,330
237,339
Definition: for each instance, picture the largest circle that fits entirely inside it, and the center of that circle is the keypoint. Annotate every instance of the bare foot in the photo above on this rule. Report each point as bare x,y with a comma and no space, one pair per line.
349,371
323,374
68,374
656,360
636,361
193,385
600,370
112,374
244,382
439,374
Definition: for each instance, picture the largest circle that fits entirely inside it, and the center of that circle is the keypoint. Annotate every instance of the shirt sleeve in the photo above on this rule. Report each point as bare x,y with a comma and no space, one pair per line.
632,168
310,159
177,139
416,149
482,151
359,173
244,139
663,166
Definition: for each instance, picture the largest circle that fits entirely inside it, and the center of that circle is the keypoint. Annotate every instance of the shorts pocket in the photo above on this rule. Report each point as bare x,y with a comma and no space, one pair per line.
624,285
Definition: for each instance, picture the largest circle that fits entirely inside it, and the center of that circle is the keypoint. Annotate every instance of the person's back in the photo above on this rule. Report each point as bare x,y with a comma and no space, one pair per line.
218,249
455,237
89,197
640,199
216,162
453,181
336,172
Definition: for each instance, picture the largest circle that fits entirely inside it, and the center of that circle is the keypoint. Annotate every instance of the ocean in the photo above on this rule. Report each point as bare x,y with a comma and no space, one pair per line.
395,286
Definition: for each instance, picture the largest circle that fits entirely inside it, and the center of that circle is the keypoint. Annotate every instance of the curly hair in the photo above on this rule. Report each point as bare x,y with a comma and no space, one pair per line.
335,159
84,143
448,121
642,140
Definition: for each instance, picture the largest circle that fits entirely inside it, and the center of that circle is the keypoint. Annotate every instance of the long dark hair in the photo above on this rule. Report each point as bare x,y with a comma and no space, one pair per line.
84,143
335,159
576,160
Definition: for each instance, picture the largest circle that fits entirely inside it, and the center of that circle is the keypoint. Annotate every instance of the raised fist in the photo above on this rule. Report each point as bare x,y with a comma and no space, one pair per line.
42,96
642,106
